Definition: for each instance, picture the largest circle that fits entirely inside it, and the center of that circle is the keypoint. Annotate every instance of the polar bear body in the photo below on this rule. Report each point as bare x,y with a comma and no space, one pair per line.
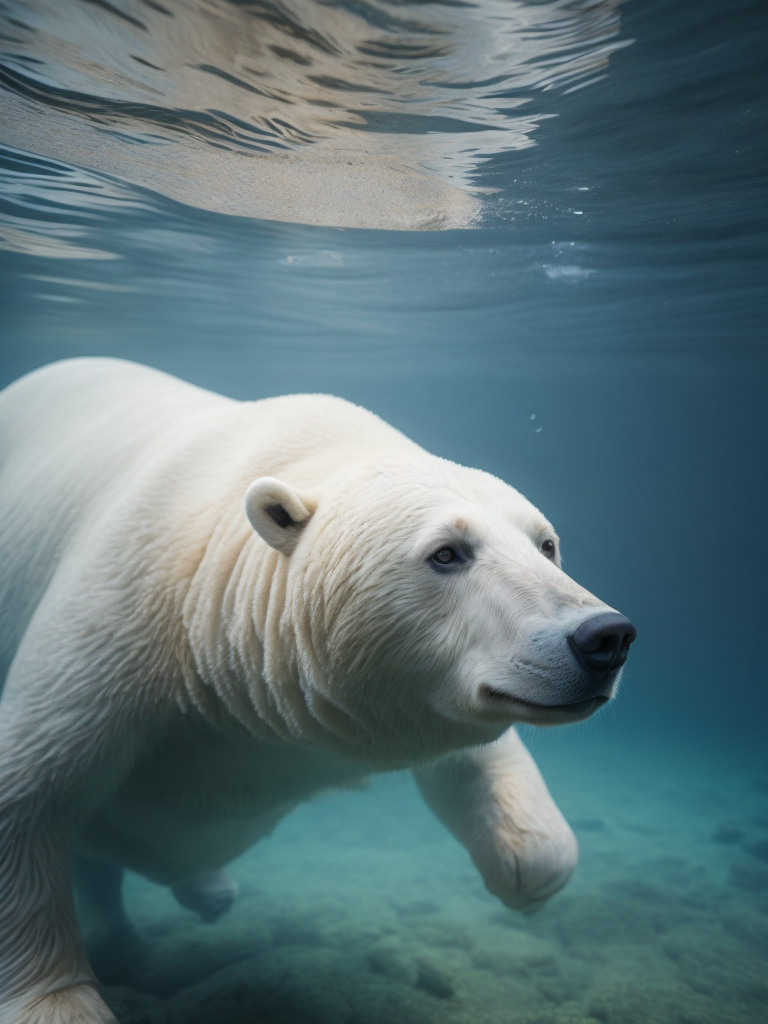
172,456
211,609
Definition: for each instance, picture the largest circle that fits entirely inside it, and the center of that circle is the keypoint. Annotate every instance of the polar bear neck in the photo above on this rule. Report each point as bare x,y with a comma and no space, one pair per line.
250,659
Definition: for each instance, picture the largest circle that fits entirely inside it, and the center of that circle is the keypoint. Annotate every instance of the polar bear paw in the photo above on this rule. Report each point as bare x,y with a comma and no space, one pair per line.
525,868
76,1004
209,894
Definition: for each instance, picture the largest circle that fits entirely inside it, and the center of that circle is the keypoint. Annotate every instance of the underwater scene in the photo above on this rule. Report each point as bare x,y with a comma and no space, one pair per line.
530,235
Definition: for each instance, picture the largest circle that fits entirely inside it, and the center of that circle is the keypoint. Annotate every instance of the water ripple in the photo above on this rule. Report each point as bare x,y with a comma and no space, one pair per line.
369,113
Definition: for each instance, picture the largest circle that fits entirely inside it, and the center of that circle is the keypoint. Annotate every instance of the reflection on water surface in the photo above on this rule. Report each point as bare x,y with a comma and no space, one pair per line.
369,114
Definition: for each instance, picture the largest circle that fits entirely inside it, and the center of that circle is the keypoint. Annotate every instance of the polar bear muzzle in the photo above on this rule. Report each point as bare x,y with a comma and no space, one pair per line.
584,667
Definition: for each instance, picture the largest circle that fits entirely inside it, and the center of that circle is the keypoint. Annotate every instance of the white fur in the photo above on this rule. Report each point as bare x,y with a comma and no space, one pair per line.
187,662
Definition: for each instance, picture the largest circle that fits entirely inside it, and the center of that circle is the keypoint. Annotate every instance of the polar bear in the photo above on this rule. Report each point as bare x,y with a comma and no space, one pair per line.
212,609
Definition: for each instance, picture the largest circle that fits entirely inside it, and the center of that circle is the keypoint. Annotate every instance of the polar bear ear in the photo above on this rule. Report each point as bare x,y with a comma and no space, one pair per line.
276,513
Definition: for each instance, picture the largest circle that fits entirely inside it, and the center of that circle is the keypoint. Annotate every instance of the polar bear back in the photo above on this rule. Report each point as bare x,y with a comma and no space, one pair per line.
88,443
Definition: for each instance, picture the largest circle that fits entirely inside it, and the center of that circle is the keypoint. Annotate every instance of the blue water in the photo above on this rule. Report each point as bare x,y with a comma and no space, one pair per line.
532,236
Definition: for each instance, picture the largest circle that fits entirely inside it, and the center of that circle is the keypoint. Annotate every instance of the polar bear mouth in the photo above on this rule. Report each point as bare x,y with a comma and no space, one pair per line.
531,710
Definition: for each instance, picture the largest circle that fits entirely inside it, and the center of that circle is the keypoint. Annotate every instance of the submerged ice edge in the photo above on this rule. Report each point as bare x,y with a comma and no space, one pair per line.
376,115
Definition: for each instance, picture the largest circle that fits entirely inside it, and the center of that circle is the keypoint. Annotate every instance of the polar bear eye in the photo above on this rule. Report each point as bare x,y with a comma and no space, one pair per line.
547,548
449,558
444,557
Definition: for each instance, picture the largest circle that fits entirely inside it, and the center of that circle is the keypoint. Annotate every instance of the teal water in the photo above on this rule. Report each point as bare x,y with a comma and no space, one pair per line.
531,236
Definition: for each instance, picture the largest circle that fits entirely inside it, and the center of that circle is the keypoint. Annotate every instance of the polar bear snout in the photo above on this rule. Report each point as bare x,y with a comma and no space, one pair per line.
601,643
561,673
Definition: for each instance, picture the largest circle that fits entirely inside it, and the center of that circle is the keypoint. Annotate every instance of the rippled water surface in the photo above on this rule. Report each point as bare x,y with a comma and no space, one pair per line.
609,158
532,235
367,114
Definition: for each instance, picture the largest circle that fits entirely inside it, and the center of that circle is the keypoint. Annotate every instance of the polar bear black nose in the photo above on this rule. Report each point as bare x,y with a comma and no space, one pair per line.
602,643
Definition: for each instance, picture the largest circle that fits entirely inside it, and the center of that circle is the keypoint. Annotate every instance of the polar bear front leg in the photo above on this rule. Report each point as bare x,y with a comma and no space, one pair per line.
44,976
494,800
45,765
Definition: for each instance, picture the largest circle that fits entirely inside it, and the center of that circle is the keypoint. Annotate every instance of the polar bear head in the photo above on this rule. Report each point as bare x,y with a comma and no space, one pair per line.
429,607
